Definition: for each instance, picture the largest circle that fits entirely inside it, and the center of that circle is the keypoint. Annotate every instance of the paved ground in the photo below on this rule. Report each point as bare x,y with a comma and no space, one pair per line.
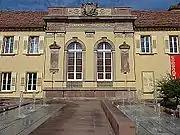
77,118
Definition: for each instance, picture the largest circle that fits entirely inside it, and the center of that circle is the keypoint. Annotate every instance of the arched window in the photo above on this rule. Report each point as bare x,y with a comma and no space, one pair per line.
74,65
104,62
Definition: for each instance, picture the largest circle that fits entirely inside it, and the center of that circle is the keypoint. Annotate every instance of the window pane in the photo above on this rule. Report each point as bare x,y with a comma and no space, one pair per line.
8,44
78,68
108,62
147,44
9,87
34,81
79,54
100,46
9,78
78,76
108,75
34,87
142,44
108,68
70,68
71,46
4,86
107,46
78,46
70,61
79,62
108,55
100,62
70,75
29,87
99,55
33,44
100,75
70,55
100,69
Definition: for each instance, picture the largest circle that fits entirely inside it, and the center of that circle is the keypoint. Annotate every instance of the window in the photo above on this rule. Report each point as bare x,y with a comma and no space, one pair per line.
104,61
6,81
146,44
173,44
74,59
33,45
31,81
8,44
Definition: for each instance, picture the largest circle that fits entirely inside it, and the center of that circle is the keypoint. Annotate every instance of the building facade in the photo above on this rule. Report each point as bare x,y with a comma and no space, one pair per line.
87,51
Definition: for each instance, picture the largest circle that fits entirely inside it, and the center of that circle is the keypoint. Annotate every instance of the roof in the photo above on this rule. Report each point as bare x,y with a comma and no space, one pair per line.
157,18
34,19
21,19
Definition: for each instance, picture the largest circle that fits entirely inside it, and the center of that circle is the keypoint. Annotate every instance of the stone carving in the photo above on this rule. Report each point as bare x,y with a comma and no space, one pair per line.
91,25
148,81
124,58
89,9
125,61
54,59
74,11
104,12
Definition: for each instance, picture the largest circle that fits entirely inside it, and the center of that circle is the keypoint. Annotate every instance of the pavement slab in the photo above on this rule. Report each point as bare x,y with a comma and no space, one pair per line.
77,118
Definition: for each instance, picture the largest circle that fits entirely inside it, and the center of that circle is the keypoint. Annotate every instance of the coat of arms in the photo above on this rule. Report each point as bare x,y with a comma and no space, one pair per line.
89,9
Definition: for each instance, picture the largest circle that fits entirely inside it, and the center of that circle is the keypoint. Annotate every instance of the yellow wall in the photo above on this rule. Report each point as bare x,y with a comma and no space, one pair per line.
159,63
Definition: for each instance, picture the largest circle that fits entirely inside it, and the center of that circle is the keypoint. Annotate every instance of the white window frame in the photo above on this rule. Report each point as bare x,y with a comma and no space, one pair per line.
27,81
173,44
75,51
6,82
10,44
104,51
33,46
145,43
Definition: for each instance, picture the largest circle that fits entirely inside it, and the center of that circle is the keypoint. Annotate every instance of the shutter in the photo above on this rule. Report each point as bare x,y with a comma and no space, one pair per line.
1,44
166,44
138,43
39,81
0,81
22,81
25,44
41,44
154,44
16,44
13,81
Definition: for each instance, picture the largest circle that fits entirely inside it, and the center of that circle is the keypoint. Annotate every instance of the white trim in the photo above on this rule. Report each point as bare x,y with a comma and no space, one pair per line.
6,82
10,43
173,41
33,46
75,51
104,51
144,37
27,83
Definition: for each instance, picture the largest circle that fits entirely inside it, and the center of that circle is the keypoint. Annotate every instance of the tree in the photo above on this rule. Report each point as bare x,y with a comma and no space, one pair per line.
169,88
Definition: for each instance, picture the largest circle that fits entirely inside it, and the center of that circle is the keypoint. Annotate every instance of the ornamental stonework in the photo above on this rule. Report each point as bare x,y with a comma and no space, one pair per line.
74,11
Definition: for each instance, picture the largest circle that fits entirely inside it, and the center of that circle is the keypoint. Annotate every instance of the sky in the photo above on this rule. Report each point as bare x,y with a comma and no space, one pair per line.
40,5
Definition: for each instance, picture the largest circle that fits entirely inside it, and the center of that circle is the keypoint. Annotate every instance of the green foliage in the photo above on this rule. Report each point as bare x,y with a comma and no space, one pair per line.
169,89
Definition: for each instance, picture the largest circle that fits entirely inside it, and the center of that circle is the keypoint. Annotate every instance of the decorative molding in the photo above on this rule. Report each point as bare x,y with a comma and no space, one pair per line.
60,34
170,28
105,84
4,29
89,9
104,12
74,11
73,84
